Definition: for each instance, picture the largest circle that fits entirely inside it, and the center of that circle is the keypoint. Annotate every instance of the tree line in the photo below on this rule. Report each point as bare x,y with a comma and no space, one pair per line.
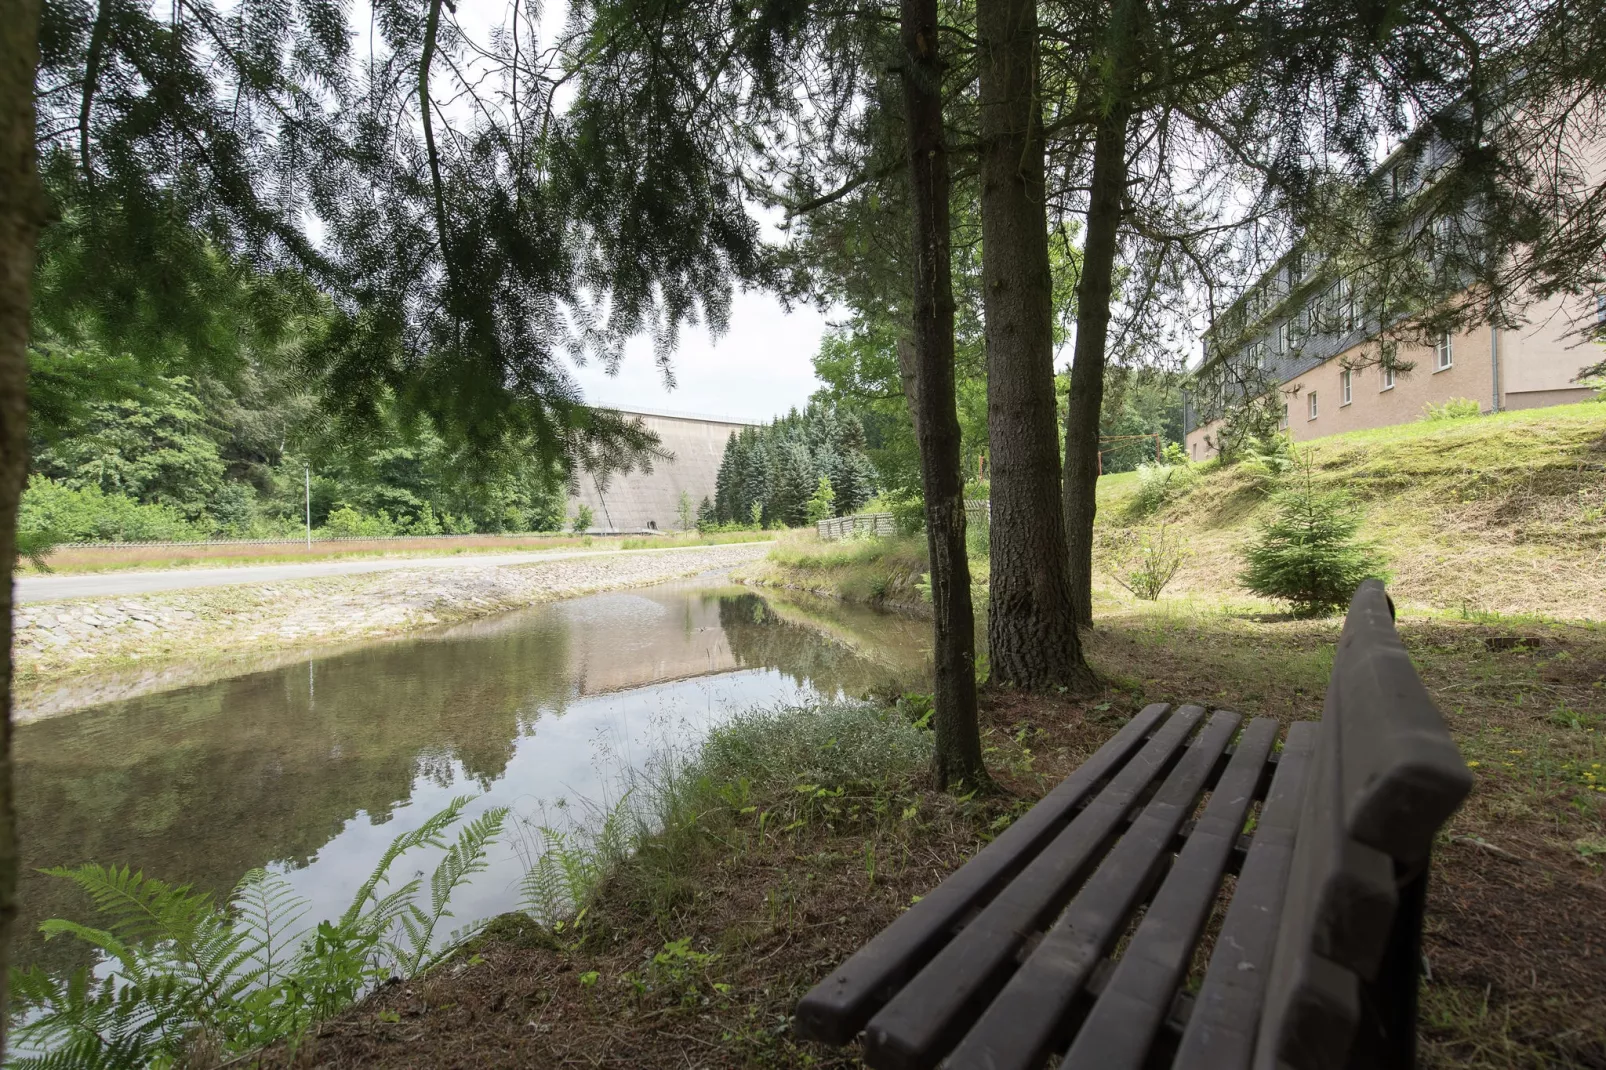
769,474
119,454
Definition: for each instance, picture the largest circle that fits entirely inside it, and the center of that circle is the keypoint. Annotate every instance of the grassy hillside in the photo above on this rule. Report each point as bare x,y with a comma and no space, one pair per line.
1498,514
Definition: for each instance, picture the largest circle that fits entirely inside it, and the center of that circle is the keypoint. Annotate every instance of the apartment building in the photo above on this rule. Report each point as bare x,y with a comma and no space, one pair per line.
1305,330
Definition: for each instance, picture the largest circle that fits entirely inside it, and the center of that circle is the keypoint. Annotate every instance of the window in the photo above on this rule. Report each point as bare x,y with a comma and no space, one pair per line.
1600,310
1296,268
1344,387
1346,306
1442,352
1285,336
1388,379
1284,424
1312,415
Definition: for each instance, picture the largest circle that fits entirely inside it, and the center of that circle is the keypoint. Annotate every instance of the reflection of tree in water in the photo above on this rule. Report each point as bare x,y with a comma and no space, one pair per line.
761,638
203,784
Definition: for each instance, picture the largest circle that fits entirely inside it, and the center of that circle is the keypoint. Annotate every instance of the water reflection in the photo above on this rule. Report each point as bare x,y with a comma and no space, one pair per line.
313,768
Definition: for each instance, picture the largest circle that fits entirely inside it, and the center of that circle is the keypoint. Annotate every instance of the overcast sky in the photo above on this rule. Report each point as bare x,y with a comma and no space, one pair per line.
757,370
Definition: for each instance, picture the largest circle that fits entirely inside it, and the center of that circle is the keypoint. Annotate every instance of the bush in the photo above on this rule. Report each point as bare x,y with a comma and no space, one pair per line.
55,513
1159,485
582,519
348,523
1308,554
908,509
1145,563
1267,460
1453,409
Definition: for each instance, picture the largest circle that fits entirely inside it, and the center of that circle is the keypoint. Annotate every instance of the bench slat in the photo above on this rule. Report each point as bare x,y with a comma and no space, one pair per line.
936,1006
1402,774
1023,1024
1130,1010
1220,1034
1335,923
837,1008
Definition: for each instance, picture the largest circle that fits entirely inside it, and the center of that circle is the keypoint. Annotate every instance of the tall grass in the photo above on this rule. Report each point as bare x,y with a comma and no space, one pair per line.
763,774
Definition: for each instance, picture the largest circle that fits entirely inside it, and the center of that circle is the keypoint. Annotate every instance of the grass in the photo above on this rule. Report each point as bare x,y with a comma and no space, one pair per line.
1503,514
794,836
874,571
70,560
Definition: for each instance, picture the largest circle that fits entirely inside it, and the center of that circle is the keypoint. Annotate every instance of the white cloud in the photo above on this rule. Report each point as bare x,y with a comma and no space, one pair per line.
762,366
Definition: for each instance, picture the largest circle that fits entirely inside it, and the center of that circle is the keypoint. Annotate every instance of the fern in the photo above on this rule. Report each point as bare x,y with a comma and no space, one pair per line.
242,976
463,859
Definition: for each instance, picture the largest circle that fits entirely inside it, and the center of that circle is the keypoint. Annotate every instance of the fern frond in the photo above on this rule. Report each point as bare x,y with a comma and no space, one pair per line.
430,834
463,859
269,909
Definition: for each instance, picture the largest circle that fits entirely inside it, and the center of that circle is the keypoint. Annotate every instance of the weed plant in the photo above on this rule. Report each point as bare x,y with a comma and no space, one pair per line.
1144,562
189,978
1159,485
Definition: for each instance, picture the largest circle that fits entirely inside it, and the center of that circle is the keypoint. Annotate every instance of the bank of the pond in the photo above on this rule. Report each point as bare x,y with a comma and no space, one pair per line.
77,652
888,573
796,839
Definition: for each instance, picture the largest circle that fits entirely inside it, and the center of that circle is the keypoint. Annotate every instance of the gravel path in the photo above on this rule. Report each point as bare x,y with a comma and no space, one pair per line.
71,638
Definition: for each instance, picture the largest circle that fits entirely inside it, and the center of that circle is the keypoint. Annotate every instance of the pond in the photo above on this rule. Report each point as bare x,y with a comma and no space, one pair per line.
312,769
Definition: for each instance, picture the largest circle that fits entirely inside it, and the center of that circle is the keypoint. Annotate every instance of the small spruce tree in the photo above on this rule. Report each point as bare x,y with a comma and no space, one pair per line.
1308,553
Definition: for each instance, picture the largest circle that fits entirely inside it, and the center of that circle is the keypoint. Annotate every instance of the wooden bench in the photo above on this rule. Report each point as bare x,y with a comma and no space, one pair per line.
1074,931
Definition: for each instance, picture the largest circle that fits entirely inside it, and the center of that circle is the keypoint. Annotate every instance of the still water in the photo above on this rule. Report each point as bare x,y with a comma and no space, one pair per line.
312,769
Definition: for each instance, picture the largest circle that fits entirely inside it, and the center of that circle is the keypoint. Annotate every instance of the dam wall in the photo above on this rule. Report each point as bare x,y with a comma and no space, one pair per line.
647,501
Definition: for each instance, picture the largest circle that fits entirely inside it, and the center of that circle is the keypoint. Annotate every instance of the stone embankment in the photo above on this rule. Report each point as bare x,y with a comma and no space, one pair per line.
158,641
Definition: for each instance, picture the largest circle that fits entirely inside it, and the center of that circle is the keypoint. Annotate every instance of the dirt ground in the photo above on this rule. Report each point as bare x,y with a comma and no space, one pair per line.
1515,937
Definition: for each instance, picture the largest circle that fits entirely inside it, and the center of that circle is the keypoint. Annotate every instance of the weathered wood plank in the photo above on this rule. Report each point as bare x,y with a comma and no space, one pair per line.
925,1018
837,1008
1220,1034
1024,1023
1123,1023
1402,774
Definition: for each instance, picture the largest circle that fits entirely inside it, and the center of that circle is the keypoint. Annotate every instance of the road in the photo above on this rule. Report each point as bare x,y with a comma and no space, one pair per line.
34,588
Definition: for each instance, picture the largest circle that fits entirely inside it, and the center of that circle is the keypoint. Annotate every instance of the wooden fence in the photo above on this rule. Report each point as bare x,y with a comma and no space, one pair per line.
879,524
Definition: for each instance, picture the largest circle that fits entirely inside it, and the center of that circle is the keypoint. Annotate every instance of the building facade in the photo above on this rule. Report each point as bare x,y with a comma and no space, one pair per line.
1305,333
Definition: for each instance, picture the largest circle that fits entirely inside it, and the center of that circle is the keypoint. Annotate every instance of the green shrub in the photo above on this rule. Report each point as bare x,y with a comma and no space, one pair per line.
1267,460
1144,563
823,503
978,536
348,523
1307,554
582,519
1159,485
55,513
1453,409
908,509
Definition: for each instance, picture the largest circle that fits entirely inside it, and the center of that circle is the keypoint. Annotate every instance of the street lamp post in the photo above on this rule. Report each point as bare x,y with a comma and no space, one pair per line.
307,470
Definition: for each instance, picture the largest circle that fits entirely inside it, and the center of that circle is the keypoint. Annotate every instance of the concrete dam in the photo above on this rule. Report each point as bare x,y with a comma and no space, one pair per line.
650,501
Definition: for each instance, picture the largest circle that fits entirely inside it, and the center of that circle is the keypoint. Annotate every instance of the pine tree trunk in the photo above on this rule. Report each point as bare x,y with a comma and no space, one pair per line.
1087,367
20,214
958,759
1031,628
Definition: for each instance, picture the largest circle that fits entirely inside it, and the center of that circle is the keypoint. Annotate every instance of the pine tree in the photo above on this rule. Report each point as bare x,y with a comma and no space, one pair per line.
1308,553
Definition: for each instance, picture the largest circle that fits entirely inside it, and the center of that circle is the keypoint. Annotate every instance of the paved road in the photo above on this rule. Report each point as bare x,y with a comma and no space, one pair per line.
103,584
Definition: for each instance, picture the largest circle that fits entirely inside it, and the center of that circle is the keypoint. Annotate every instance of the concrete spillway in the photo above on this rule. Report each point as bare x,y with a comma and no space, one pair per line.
641,501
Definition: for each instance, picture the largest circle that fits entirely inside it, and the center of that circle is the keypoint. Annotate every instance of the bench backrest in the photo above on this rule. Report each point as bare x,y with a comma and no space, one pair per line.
1387,775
